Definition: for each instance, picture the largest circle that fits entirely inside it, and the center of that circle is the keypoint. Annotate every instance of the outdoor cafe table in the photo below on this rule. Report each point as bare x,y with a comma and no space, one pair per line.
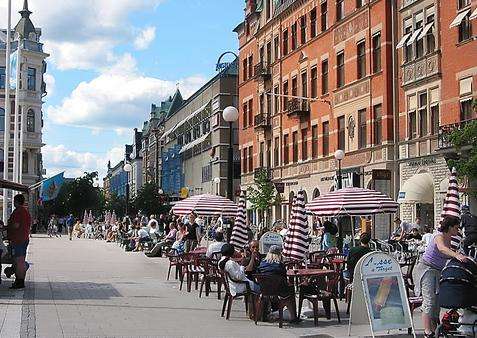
308,272
199,251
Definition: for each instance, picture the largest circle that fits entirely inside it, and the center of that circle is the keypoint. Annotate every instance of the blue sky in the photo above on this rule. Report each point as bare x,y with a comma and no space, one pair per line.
110,59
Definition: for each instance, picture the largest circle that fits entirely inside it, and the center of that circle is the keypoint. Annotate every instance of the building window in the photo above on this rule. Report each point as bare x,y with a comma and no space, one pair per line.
245,115
313,23
260,154
206,126
466,112
341,133
377,124
422,111
285,95
196,132
362,132
324,15
250,159
304,84
250,66
359,3
269,53
340,68
25,166
285,42
326,138
261,104
261,55
245,160
269,153
408,32
245,69
314,82
31,81
207,173
31,121
2,78
463,3
361,59
430,38
294,37
324,77
339,10
268,8
314,141
276,48
412,125
303,29
435,119
286,152
465,29
2,120
295,146
376,52
269,105
276,100
304,144
294,89
250,112
276,152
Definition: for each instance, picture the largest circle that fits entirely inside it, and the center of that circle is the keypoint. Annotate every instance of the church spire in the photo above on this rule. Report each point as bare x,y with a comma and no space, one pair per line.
25,12
25,27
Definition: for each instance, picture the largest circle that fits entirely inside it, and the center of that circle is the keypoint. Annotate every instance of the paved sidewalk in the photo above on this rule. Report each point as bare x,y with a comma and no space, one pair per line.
87,288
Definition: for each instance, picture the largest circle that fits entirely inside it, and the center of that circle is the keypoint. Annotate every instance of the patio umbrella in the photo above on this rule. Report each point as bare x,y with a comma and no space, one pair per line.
90,218
113,218
451,205
206,205
239,236
286,241
296,241
85,217
352,202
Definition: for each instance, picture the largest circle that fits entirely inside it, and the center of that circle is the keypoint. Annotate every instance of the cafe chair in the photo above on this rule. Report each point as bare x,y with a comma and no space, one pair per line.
322,289
248,295
174,259
211,275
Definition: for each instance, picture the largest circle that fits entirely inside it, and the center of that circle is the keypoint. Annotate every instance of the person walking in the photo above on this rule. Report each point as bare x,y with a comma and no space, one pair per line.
18,231
52,226
70,223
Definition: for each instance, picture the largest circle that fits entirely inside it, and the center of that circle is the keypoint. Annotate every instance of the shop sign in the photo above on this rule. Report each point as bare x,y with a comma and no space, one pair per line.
381,174
422,162
268,239
289,184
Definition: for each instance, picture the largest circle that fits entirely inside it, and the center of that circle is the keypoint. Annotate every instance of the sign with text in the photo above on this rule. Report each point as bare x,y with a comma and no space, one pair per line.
268,239
379,294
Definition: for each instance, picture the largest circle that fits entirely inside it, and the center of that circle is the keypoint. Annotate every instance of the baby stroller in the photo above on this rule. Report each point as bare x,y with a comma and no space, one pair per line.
458,292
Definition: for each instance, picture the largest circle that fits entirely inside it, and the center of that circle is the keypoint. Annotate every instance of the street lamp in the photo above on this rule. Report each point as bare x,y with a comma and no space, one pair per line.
339,155
230,115
127,168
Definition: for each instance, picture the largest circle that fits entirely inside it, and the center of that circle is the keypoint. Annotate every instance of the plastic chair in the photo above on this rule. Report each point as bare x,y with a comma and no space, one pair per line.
211,275
229,298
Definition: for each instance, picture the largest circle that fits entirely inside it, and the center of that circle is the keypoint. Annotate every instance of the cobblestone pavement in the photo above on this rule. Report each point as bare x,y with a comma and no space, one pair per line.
87,288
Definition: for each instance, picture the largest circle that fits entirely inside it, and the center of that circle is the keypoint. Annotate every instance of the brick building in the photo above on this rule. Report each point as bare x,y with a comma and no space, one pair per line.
316,76
436,91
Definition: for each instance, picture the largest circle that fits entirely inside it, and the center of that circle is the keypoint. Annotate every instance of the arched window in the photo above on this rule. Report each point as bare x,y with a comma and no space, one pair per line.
31,121
25,163
2,119
316,193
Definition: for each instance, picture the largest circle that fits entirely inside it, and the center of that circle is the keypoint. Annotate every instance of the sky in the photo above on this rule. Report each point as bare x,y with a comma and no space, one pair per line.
111,59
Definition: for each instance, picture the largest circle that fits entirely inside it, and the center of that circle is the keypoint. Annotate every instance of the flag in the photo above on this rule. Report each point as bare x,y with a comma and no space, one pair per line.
13,69
51,187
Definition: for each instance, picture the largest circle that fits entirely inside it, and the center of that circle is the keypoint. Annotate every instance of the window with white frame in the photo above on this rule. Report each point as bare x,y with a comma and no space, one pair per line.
411,116
434,107
465,93
418,26
422,112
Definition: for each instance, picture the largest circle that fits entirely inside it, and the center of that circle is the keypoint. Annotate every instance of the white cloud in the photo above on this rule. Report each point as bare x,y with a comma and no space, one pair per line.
50,84
59,158
81,34
118,98
145,38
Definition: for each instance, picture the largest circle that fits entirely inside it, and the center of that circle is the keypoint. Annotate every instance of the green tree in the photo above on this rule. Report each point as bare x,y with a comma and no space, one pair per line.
464,140
149,201
263,195
117,204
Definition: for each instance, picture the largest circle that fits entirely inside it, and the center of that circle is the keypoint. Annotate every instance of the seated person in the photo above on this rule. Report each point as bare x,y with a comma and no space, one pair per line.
216,246
401,230
414,235
235,272
179,244
167,241
142,237
272,265
357,252
252,259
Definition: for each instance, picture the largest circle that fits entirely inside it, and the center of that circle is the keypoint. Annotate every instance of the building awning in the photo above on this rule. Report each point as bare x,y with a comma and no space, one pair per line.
418,189
403,40
195,113
194,143
426,29
414,36
473,15
458,19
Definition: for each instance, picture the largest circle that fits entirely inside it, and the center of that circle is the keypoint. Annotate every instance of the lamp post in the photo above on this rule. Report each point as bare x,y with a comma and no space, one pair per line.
127,168
339,155
230,115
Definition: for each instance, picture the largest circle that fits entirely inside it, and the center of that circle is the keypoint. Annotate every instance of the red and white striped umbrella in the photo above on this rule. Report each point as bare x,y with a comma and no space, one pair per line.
239,236
352,202
451,206
296,241
206,205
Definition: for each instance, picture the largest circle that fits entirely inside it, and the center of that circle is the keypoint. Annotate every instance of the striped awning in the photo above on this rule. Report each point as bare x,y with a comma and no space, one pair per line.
206,205
352,202
239,236
296,241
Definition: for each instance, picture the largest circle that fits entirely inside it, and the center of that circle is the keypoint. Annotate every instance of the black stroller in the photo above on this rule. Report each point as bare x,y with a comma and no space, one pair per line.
458,292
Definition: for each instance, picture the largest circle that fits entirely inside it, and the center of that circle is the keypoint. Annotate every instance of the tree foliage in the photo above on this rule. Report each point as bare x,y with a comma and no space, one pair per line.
117,204
149,201
263,195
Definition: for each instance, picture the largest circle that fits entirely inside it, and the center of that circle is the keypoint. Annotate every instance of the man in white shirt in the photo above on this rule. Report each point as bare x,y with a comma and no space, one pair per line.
216,246
402,228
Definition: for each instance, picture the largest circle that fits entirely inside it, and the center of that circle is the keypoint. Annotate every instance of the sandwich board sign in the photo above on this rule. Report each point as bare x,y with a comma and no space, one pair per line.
268,239
379,295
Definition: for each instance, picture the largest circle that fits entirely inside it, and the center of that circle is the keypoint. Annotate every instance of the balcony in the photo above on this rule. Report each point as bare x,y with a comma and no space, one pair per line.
266,170
262,71
421,69
261,121
443,139
298,107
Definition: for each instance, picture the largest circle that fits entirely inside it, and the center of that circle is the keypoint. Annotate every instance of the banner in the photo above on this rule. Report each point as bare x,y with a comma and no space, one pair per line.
51,187
13,69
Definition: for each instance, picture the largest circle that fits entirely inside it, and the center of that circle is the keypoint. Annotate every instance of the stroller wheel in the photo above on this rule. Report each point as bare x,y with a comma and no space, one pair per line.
9,271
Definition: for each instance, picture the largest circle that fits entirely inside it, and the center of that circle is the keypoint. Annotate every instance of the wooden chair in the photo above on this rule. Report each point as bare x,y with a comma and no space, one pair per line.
211,275
229,298
320,289
271,289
